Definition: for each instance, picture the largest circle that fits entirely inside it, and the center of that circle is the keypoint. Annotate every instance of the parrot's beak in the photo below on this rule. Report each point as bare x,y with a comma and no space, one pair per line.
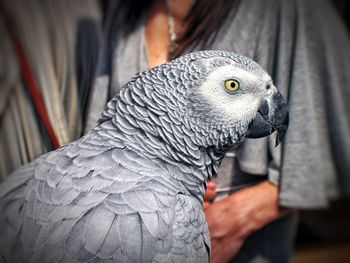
272,116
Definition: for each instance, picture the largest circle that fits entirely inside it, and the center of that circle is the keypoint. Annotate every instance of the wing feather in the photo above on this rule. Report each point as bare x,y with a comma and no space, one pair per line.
74,245
129,227
17,179
98,224
135,202
80,205
150,220
61,230
111,244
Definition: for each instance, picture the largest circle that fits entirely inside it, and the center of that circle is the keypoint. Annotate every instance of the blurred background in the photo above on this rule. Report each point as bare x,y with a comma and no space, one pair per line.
55,44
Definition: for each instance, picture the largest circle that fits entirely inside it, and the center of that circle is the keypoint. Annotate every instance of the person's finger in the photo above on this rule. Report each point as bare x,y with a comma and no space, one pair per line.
206,205
210,194
211,186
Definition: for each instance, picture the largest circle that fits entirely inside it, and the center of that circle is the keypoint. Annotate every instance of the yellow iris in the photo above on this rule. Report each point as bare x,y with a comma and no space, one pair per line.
232,85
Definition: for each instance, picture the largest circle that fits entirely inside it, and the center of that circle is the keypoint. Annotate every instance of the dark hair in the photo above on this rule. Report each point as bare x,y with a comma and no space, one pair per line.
204,20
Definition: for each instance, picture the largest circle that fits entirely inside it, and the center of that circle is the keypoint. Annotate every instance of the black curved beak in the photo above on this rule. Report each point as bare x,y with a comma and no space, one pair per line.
272,116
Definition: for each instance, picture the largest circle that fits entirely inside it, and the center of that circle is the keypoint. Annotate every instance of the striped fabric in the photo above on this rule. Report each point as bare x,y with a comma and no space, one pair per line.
60,43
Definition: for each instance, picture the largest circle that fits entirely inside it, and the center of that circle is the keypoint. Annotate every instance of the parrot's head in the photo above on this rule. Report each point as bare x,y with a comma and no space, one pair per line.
230,97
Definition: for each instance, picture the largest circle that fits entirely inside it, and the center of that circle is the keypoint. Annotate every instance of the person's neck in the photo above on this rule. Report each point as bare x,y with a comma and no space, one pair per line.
157,33
179,9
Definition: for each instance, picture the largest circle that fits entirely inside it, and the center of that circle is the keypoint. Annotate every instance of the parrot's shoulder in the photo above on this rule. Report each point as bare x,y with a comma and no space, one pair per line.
86,201
90,200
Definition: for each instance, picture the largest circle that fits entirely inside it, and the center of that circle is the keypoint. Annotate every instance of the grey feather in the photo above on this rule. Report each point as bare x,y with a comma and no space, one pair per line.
98,224
130,244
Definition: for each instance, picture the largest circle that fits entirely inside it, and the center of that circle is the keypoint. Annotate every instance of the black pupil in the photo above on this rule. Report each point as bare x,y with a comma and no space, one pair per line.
233,84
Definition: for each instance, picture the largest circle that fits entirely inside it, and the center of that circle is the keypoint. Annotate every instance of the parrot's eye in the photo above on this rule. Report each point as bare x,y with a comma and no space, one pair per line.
232,85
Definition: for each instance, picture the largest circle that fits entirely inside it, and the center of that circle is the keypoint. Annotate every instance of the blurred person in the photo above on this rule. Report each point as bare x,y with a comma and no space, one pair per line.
304,46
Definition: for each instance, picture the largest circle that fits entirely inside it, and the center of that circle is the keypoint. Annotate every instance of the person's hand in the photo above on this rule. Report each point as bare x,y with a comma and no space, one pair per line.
234,218
210,194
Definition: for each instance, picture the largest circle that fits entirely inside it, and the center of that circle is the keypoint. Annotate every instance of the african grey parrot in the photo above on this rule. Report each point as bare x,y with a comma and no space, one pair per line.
131,190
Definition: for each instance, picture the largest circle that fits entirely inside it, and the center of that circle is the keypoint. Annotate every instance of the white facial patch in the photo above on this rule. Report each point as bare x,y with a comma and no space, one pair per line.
240,105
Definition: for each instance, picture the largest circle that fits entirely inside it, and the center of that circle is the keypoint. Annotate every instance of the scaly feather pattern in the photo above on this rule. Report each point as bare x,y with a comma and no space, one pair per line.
131,190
